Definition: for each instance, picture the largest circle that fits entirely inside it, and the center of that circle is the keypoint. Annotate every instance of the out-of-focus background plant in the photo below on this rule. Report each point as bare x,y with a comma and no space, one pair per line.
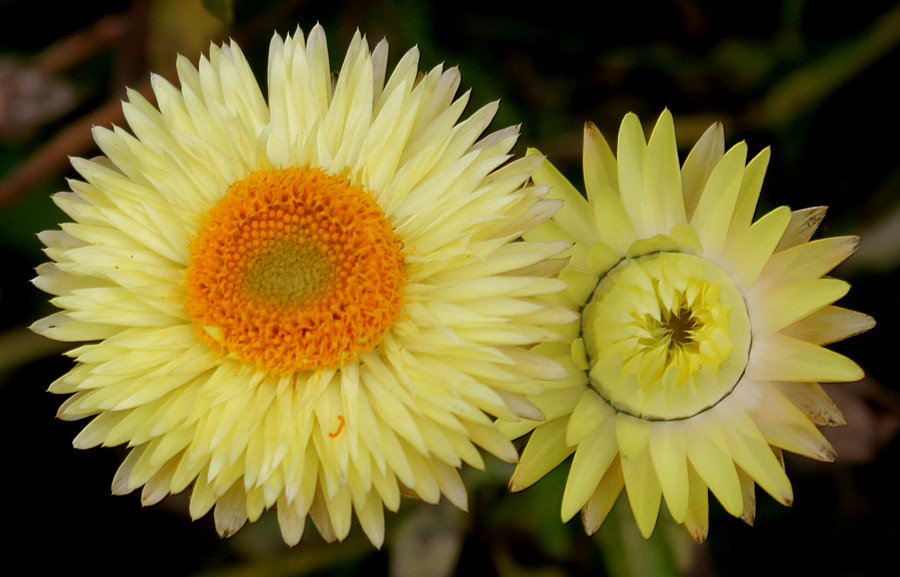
815,80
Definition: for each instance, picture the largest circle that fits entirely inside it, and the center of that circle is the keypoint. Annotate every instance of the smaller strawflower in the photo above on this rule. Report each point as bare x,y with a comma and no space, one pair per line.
699,352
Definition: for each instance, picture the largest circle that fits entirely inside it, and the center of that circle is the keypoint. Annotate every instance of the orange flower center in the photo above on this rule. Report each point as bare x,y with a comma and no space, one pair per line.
293,270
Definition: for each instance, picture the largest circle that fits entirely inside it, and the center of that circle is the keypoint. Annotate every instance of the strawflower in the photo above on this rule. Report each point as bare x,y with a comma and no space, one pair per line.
315,302
698,354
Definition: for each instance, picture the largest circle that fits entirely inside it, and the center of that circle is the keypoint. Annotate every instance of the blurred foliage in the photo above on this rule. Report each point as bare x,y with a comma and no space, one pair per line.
814,80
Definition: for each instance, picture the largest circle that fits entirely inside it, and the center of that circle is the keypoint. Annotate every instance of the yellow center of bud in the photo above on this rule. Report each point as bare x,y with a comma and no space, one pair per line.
666,334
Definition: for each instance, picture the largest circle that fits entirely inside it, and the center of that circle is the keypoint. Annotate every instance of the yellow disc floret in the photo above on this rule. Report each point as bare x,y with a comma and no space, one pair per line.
295,269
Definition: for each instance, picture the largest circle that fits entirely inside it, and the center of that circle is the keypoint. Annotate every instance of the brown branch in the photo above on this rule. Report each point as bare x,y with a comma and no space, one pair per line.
52,158
81,45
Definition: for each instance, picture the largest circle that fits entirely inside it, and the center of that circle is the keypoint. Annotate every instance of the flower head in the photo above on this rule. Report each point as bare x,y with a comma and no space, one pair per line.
698,354
314,302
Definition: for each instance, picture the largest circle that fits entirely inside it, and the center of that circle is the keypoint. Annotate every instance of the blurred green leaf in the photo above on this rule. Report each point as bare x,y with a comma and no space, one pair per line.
427,542
811,84
311,555
221,9
176,27
627,554
22,346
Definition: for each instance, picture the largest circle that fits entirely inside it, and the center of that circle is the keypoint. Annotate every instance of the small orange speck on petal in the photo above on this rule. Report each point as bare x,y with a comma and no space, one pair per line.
341,423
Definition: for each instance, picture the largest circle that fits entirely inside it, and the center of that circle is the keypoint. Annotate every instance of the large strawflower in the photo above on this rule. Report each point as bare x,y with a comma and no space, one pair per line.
698,354
316,303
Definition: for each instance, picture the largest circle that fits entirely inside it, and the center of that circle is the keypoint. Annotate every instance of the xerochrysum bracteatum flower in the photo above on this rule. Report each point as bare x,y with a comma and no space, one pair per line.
698,355
316,301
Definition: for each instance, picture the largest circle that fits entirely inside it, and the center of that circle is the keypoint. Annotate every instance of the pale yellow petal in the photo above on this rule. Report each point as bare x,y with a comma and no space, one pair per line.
782,358
699,164
590,412
671,464
751,250
809,260
781,423
636,187
632,435
829,325
592,459
752,453
717,201
599,163
714,464
545,450
644,492
614,225
666,171
784,305
745,207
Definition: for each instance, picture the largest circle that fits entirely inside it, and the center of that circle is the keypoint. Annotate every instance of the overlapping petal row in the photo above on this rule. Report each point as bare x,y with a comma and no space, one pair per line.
398,419
699,353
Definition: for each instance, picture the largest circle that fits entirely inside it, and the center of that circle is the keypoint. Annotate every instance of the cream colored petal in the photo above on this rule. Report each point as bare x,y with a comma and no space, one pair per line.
829,325
291,523
749,487
699,164
575,214
493,441
535,365
62,327
231,512
804,223
809,260
752,453
781,423
370,513
815,403
450,483
603,499
697,520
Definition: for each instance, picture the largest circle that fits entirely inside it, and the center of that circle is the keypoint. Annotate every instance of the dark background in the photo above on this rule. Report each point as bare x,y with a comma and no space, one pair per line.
815,80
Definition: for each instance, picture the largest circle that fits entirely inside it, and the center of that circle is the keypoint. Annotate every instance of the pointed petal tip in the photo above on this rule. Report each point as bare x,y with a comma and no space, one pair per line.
699,536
